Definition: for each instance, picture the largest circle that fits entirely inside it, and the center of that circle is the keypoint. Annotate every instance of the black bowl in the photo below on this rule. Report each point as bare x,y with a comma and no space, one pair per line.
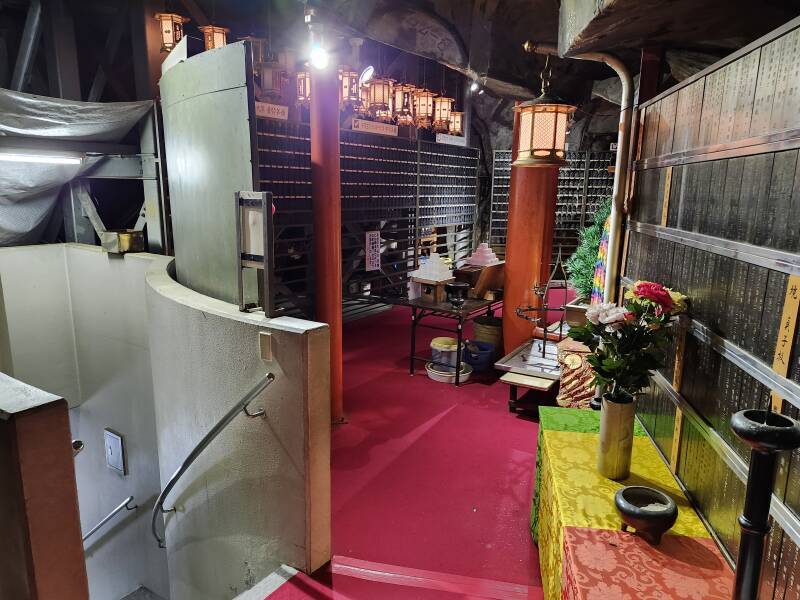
650,512
457,293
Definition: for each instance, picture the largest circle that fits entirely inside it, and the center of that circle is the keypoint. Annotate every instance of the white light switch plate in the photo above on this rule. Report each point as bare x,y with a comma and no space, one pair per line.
115,451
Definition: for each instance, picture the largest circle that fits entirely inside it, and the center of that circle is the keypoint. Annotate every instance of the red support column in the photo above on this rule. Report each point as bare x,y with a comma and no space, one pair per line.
40,529
650,72
327,207
529,242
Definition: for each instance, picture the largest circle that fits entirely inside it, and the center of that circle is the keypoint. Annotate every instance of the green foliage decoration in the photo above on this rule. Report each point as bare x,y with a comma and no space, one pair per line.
580,266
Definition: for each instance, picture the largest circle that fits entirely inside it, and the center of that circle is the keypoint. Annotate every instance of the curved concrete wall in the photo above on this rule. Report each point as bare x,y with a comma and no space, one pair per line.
259,496
73,321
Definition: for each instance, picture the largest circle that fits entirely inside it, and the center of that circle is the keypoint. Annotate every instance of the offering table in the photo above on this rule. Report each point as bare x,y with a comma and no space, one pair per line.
582,551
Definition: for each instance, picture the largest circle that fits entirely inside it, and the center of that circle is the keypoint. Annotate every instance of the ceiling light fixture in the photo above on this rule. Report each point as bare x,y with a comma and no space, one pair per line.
318,57
474,87
45,159
366,75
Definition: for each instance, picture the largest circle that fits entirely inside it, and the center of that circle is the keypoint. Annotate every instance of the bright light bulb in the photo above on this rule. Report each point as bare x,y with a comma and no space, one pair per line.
319,57
41,159
474,86
479,93
366,75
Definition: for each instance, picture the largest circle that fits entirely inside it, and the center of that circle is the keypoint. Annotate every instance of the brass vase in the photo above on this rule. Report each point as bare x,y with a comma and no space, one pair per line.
616,436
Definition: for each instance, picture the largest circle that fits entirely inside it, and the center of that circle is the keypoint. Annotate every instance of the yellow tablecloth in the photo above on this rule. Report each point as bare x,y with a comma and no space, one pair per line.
573,494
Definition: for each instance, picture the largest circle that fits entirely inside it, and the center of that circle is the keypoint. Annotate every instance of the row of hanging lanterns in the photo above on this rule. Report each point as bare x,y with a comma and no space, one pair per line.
379,98
171,25
387,101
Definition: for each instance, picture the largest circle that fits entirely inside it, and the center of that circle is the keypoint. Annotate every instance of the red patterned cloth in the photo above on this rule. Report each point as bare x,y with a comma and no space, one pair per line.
600,564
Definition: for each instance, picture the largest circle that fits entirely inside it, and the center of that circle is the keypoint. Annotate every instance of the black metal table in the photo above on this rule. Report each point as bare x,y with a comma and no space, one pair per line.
470,310
420,310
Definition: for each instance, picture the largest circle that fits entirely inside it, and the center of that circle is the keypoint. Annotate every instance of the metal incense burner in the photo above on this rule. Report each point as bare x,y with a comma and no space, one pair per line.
767,433
544,352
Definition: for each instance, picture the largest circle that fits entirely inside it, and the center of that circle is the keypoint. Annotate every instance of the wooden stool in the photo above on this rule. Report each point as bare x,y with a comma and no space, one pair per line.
529,382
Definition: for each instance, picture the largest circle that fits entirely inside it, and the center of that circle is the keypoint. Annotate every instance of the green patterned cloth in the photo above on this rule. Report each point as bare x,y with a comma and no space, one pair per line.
556,418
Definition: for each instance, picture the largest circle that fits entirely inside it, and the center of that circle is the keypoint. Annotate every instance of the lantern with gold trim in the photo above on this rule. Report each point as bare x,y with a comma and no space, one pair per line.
362,107
303,87
404,104
442,107
214,36
380,98
259,48
273,74
542,132
349,93
171,29
543,125
456,123
423,107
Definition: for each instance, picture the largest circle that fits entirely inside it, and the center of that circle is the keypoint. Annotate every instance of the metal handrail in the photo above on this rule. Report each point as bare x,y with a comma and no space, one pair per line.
240,406
110,516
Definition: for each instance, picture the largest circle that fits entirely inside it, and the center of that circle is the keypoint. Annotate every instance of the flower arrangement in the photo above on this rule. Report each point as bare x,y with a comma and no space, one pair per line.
629,342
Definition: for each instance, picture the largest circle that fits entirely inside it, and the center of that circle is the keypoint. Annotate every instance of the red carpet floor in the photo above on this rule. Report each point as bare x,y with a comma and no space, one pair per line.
431,483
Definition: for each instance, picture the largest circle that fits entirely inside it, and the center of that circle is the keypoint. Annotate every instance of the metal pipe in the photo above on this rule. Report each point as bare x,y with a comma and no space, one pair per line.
110,516
240,406
27,46
621,168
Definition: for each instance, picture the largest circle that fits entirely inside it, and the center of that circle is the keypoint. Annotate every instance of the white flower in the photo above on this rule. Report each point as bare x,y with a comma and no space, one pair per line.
597,312
613,315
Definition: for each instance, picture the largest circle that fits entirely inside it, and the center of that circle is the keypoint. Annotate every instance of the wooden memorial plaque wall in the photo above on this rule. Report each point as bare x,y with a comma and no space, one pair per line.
716,214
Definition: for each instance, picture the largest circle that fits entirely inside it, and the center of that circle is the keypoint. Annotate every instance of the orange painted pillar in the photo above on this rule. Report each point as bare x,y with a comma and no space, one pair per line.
529,242
327,206
40,529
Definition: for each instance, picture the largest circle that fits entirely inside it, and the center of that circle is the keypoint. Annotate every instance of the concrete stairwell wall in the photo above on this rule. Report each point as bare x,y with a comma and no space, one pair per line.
73,322
132,350
259,495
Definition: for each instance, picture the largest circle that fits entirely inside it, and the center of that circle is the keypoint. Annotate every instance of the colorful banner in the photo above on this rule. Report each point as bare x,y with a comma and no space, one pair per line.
598,286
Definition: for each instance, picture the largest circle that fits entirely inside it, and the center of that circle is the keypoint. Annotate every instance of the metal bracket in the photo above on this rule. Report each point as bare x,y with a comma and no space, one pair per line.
259,413
254,251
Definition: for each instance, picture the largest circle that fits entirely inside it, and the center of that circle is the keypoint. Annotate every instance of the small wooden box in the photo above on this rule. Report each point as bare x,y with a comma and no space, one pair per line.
433,291
468,274
492,277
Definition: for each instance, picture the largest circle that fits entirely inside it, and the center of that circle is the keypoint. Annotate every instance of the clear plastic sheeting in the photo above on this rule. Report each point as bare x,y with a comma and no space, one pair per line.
29,191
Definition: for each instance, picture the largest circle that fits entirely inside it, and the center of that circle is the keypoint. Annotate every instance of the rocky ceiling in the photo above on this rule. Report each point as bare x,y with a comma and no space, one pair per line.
483,38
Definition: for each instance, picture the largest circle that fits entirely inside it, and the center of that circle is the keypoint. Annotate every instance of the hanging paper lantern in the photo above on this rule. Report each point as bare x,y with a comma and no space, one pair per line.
287,59
214,36
423,107
303,87
362,106
404,104
442,106
542,132
171,29
273,75
380,94
456,125
260,49
348,89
